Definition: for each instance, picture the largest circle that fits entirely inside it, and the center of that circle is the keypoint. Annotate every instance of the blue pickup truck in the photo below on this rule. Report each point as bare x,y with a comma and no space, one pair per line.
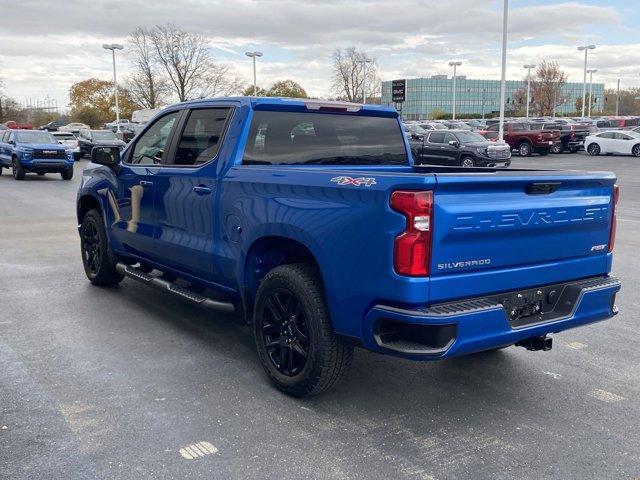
309,220
37,151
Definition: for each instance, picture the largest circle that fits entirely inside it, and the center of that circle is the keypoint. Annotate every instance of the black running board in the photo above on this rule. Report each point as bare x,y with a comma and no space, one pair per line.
193,297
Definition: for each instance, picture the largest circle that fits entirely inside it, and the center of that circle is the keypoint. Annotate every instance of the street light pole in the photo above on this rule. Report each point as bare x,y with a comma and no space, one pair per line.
364,80
529,67
505,20
253,56
113,47
591,71
453,108
618,99
586,48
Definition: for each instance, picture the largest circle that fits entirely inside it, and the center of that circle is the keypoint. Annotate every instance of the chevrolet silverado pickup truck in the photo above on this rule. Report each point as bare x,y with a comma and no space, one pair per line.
34,151
309,220
520,137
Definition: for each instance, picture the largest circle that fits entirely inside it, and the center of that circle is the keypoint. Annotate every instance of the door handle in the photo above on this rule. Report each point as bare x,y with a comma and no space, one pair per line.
146,183
202,190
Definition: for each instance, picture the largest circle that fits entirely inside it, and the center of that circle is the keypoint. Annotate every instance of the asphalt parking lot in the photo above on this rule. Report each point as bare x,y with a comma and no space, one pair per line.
113,383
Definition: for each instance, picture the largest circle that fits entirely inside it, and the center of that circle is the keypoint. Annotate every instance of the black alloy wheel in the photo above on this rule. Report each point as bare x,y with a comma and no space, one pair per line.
91,254
285,332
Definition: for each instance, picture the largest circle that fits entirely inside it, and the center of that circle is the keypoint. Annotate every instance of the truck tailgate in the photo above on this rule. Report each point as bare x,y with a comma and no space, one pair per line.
509,230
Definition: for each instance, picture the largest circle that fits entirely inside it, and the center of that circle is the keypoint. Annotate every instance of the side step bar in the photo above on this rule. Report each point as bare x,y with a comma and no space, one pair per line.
193,297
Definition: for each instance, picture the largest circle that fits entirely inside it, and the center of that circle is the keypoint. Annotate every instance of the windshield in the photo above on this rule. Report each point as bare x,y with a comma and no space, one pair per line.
470,137
65,136
291,138
103,135
35,137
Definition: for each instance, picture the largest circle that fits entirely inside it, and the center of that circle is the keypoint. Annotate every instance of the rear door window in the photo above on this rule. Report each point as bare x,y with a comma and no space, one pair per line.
293,138
436,137
201,137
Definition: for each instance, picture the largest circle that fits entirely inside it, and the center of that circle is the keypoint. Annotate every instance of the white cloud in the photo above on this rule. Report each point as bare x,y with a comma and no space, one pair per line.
409,38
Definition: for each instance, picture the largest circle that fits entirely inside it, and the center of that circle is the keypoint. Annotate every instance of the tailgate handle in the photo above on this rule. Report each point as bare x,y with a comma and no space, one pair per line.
542,188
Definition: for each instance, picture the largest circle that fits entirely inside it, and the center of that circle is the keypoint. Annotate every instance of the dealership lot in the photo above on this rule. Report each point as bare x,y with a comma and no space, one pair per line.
121,383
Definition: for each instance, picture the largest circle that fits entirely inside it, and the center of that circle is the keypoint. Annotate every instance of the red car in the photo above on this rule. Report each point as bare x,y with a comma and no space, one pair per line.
18,126
520,137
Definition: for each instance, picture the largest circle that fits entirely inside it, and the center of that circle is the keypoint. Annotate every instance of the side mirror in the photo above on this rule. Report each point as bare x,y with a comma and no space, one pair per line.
12,142
454,143
108,156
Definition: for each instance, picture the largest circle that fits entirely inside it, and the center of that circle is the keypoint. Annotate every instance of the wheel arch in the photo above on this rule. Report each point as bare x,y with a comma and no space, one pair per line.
265,254
522,140
85,203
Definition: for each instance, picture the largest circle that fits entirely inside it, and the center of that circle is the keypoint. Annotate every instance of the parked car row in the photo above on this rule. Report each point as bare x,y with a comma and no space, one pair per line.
40,151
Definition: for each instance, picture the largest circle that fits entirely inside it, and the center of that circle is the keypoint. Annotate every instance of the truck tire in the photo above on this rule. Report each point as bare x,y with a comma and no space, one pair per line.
296,343
524,149
95,251
18,170
67,174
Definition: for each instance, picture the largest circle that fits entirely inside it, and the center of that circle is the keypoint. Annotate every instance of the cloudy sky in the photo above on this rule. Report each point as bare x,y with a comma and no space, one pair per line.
45,46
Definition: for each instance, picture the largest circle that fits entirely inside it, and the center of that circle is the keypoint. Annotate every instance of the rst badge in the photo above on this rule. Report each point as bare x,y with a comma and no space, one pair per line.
358,182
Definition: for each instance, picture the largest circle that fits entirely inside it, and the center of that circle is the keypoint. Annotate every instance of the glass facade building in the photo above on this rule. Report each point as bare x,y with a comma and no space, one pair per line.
424,95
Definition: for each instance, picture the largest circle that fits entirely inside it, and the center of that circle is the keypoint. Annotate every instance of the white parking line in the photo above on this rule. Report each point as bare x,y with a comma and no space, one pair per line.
576,345
197,450
605,396
556,376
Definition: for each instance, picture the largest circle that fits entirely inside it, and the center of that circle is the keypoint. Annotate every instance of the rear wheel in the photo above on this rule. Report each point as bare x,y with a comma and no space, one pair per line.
95,251
593,149
636,150
467,162
557,149
18,170
524,149
296,343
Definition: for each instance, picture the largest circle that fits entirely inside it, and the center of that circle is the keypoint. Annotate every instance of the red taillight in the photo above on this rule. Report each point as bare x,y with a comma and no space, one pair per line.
412,248
614,218
539,137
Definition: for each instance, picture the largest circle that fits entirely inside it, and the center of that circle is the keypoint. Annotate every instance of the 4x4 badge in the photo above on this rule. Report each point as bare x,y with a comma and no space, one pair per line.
358,182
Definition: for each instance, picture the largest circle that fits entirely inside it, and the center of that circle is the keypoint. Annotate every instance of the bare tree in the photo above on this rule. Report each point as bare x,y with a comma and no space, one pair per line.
546,88
220,83
145,85
185,59
348,76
